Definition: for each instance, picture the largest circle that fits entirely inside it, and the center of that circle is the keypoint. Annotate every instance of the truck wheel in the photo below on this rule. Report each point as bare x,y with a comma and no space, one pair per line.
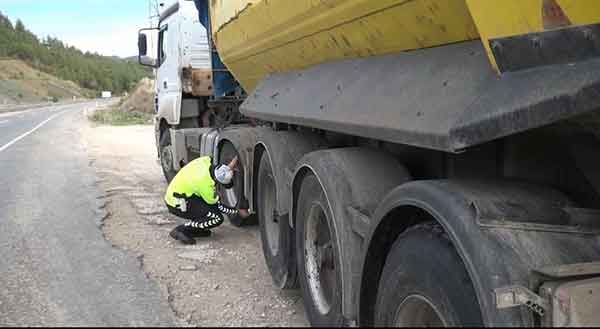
319,269
166,156
425,284
232,196
275,234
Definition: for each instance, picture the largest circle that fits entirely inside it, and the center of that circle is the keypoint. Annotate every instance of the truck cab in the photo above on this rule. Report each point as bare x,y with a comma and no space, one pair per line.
181,59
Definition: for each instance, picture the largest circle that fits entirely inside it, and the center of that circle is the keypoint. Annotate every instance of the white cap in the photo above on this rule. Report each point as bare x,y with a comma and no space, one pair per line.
223,174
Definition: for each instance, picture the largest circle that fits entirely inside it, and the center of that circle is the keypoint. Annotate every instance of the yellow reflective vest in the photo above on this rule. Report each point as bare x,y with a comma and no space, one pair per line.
194,178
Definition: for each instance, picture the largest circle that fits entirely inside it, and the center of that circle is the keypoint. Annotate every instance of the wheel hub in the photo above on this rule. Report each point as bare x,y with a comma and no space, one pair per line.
320,259
418,311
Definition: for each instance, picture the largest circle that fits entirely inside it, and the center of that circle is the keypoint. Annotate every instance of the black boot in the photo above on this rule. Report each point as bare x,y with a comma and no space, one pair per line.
180,233
197,232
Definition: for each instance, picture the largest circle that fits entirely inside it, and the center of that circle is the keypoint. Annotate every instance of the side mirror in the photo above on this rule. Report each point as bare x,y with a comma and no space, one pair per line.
142,44
143,57
147,61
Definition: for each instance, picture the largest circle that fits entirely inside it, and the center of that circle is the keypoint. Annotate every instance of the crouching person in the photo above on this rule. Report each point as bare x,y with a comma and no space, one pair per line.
192,195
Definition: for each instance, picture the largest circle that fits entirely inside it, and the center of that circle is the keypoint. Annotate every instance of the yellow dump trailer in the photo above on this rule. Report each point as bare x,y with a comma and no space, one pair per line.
258,37
414,163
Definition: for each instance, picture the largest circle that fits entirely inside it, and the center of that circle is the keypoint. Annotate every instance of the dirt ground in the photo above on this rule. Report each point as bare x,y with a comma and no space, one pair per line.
141,98
222,280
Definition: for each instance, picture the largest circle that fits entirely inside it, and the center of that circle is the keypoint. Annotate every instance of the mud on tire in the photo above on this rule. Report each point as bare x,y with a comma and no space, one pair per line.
275,232
424,283
166,156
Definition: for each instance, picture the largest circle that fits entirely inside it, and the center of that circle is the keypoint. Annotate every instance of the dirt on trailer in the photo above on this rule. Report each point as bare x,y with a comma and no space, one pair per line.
220,281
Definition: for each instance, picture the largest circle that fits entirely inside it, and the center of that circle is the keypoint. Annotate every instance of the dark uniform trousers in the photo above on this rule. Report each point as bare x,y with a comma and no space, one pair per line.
200,215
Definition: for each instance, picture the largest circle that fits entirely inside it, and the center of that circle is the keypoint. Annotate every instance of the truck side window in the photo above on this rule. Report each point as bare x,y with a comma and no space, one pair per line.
163,44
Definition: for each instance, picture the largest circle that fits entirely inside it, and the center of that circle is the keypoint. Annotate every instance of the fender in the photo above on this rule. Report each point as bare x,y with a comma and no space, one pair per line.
171,114
285,149
503,231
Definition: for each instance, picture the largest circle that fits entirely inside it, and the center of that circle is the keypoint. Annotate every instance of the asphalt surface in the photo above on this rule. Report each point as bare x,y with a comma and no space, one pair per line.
56,268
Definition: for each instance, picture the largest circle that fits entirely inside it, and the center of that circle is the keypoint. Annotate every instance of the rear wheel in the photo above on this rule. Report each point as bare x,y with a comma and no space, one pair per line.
232,196
166,156
275,233
319,266
425,284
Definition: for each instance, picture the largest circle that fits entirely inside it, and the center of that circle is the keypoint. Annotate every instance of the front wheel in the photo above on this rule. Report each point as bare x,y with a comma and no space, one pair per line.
166,156
425,284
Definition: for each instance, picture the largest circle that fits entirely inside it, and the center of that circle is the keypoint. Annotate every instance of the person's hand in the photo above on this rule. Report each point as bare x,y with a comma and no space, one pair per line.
233,165
244,213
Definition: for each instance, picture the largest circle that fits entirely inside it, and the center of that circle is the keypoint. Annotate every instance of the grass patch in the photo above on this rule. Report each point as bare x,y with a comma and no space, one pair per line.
115,117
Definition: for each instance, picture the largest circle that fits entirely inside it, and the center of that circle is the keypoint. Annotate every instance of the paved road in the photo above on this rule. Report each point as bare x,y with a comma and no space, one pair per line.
56,269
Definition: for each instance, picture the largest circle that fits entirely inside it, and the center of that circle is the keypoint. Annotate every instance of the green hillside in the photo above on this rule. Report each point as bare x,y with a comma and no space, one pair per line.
52,56
20,83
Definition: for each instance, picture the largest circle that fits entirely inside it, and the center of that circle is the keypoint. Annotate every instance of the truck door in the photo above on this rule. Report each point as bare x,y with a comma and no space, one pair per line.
168,84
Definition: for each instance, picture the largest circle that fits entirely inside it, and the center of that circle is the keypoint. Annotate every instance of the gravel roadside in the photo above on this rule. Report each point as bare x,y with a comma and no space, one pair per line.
221,281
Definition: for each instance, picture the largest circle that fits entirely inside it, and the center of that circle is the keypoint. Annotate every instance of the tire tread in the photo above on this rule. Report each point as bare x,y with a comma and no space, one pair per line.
430,232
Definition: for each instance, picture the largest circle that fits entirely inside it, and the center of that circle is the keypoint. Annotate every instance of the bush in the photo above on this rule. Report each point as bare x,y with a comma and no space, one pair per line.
119,118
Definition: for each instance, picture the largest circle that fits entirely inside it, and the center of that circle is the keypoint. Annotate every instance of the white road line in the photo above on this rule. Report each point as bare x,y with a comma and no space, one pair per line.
38,109
5,121
9,144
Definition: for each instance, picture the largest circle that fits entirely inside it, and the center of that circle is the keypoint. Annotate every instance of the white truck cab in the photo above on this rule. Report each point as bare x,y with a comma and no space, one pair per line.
183,76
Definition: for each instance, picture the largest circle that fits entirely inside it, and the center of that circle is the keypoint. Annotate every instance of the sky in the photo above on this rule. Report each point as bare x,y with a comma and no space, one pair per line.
108,27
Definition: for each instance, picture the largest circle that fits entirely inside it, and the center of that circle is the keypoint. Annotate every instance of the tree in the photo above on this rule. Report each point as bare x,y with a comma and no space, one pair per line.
19,26
5,22
51,55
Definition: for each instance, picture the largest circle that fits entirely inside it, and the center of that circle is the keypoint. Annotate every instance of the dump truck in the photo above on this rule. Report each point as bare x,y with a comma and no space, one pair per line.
413,163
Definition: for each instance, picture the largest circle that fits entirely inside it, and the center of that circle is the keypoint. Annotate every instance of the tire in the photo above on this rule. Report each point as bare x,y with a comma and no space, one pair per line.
232,196
166,157
318,261
424,283
276,234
